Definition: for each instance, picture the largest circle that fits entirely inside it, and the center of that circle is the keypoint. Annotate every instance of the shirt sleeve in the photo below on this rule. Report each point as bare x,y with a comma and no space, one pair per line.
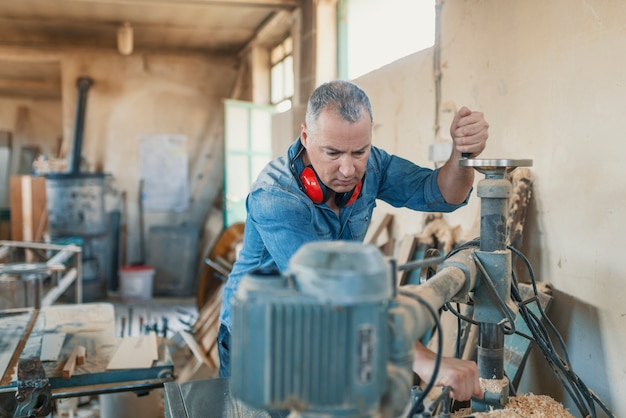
283,222
405,184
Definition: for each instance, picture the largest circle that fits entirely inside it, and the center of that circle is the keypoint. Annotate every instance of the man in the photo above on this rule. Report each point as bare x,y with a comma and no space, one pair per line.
325,188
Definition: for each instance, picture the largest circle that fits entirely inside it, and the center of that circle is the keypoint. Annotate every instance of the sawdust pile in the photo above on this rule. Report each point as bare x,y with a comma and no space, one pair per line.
525,406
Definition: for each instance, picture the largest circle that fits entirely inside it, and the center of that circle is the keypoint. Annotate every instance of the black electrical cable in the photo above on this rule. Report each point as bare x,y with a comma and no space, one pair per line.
584,399
504,309
418,406
459,314
459,325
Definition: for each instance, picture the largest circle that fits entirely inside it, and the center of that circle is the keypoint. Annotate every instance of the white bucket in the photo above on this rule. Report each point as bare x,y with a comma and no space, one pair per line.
136,282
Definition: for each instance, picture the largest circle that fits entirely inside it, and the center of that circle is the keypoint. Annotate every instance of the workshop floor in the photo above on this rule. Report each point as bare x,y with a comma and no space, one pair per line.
167,316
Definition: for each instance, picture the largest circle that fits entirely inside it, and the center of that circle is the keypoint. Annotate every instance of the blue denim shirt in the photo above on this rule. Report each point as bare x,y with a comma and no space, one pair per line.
280,217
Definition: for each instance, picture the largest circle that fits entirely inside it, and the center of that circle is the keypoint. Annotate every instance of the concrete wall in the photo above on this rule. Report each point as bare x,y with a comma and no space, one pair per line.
550,78
149,95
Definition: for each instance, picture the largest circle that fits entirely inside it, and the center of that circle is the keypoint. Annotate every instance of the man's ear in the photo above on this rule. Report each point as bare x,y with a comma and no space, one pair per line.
304,136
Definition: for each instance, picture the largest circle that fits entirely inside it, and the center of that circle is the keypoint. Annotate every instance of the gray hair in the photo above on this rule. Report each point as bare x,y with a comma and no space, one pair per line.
346,99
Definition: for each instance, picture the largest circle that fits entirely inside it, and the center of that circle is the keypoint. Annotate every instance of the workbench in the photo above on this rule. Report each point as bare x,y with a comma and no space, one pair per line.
28,386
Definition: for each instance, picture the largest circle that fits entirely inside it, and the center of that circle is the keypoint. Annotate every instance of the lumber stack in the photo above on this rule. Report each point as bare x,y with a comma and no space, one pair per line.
203,340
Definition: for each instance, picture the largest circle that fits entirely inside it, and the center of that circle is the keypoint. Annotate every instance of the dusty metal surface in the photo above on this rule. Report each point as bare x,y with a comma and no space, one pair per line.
210,398
16,326
89,325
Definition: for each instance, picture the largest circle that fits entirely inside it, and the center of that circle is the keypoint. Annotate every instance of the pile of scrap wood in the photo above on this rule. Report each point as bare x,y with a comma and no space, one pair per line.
203,361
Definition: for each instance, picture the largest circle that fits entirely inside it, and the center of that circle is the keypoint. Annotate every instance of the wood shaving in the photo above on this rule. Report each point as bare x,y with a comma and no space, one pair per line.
524,406
493,385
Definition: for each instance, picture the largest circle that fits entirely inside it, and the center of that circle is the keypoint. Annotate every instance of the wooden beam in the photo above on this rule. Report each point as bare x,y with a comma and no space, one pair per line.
281,4
35,85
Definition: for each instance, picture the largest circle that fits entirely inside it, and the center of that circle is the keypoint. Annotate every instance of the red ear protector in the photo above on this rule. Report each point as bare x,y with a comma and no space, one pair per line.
318,192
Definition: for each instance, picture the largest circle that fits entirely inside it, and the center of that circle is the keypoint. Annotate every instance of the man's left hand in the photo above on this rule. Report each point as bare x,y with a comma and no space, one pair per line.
469,131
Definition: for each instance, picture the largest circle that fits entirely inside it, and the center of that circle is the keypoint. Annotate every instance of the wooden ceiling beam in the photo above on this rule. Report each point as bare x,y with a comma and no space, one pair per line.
25,84
271,4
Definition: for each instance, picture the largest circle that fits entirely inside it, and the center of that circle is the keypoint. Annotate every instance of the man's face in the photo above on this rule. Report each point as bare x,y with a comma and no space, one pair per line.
338,150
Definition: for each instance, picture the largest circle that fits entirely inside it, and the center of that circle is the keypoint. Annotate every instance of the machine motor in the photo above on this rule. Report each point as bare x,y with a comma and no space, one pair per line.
315,339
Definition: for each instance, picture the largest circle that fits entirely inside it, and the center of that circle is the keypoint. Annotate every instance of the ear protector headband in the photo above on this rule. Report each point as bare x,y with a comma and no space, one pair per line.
310,183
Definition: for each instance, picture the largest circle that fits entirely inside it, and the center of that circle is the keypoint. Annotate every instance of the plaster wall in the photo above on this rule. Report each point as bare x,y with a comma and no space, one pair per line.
132,96
149,94
549,77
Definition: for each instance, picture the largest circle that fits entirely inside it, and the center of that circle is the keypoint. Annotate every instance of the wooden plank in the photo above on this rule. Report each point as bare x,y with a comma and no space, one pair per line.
13,331
384,224
13,339
15,186
208,314
209,340
135,353
51,346
388,244
28,207
197,351
215,274
77,357
80,355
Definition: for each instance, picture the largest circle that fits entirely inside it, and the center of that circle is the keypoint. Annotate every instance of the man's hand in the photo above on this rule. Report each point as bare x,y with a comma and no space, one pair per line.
469,131
460,375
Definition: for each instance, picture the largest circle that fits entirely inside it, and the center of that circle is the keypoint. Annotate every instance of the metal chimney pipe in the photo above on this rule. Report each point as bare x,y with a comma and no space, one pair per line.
83,86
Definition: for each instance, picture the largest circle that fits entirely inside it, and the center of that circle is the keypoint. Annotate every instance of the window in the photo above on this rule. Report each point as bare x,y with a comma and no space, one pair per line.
374,33
281,73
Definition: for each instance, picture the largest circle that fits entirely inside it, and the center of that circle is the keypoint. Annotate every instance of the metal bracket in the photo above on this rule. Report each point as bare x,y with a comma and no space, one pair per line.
33,396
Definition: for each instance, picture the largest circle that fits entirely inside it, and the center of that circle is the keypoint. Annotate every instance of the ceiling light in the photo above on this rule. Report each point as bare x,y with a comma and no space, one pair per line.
125,39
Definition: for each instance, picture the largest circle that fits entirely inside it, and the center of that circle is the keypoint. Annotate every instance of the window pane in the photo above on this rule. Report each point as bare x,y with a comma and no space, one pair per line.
237,177
237,127
289,77
258,163
403,27
262,128
277,75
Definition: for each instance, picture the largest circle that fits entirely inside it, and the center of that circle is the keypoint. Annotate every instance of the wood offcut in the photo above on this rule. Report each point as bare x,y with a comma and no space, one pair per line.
76,358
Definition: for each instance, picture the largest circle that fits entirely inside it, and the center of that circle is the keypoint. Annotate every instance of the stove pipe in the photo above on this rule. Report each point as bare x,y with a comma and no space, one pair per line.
83,86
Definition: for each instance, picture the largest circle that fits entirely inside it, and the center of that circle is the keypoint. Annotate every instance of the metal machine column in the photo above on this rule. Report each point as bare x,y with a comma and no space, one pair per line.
492,297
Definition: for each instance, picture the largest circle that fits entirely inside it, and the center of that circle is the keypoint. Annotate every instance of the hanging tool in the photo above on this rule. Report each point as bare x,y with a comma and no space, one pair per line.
130,320
123,320
164,329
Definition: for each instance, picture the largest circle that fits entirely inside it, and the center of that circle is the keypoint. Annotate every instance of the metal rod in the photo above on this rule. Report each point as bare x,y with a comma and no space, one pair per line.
490,351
